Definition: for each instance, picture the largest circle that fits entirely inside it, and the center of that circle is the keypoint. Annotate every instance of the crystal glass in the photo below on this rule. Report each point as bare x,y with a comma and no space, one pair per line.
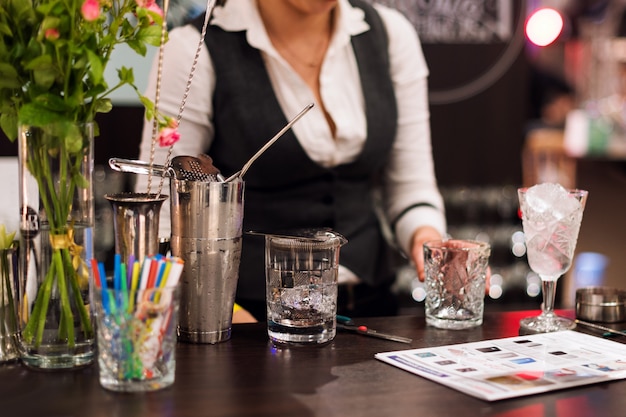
136,337
455,282
551,228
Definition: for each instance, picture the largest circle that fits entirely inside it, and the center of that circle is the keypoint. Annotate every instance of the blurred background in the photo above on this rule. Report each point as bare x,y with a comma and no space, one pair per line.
521,92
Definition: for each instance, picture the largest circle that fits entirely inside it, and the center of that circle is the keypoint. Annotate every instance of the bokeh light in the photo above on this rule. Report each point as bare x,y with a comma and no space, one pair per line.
544,26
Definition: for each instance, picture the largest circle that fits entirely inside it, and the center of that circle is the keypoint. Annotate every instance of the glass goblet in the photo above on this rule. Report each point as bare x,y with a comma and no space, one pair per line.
551,233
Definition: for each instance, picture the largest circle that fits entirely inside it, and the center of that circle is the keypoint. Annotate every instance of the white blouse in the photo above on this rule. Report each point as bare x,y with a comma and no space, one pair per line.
409,176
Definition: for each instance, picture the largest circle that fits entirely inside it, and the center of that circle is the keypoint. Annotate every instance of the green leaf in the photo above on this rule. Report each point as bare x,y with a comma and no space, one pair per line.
51,102
6,239
149,105
5,29
97,69
40,62
126,75
150,35
44,71
73,138
8,123
103,105
45,78
35,115
9,83
9,77
21,8
127,29
80,62
96,90
138,47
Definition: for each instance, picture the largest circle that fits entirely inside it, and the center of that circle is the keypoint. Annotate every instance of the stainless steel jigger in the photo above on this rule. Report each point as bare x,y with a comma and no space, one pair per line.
136,224
207,219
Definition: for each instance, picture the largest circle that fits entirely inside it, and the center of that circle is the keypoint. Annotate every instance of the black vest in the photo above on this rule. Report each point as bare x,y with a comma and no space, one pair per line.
284,188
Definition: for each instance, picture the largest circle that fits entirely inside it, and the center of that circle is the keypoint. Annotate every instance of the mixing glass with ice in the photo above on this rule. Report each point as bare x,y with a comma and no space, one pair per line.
551,217
301,286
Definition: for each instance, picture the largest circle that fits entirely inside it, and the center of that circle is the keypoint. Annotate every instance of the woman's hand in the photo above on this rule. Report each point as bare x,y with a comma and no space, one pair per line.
422,234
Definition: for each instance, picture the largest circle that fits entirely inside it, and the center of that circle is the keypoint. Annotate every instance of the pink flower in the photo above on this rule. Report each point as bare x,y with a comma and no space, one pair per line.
155,9
145,3
151,6
52,34
90,10
168,136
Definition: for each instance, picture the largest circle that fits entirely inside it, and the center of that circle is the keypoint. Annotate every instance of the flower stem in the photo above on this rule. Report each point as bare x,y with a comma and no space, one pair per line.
66,321
78,298
37,320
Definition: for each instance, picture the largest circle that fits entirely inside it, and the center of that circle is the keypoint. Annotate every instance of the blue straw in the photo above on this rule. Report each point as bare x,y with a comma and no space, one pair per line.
117,266
103,275
104,289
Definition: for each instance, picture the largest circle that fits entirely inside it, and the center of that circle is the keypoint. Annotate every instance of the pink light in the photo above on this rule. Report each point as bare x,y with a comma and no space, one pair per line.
544,26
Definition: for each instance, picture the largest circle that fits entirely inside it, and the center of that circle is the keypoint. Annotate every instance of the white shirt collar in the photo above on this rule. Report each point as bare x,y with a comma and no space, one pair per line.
243,15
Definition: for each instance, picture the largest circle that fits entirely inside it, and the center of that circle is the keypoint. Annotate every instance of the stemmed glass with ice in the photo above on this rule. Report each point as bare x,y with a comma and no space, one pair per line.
551,217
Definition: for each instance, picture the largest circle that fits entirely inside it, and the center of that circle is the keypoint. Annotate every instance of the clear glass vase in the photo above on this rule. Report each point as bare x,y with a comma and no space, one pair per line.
9,349
56,245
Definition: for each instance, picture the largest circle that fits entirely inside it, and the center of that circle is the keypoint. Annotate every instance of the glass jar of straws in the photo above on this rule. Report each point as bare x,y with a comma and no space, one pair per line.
136,317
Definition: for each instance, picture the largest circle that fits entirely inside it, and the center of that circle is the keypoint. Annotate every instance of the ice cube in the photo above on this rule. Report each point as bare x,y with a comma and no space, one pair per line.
551,199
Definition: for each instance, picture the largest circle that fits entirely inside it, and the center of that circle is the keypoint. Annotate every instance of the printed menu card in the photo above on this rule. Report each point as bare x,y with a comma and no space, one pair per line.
516,366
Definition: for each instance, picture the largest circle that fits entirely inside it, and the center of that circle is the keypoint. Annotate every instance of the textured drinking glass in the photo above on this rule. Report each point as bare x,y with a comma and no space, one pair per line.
137,338
301,278
455,282
551,218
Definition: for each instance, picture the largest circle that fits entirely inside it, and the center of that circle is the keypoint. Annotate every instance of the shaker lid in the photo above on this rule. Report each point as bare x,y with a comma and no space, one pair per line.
320,238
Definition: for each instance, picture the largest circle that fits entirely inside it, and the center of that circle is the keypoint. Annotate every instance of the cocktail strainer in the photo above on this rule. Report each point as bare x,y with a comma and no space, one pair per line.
182,167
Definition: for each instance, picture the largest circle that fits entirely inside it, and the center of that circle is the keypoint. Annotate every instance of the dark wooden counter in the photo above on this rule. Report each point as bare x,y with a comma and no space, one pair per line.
246,376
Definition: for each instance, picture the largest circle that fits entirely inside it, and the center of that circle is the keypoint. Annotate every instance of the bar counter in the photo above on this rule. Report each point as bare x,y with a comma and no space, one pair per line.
246,376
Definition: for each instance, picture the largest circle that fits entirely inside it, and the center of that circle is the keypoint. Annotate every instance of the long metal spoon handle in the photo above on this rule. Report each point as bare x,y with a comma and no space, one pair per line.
365,331
270,143
602,328
138,167
386,336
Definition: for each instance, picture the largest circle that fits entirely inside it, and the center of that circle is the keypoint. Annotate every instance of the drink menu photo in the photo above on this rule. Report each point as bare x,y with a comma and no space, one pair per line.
517,366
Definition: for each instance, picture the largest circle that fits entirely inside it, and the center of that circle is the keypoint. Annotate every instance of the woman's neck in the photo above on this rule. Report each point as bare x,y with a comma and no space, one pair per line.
300,31
289,20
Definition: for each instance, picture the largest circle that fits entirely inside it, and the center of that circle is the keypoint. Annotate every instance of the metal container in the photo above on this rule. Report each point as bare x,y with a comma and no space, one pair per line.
207,222
136,224
601,304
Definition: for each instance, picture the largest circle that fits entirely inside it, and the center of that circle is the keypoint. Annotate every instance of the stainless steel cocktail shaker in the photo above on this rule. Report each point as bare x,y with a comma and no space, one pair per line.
207,219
